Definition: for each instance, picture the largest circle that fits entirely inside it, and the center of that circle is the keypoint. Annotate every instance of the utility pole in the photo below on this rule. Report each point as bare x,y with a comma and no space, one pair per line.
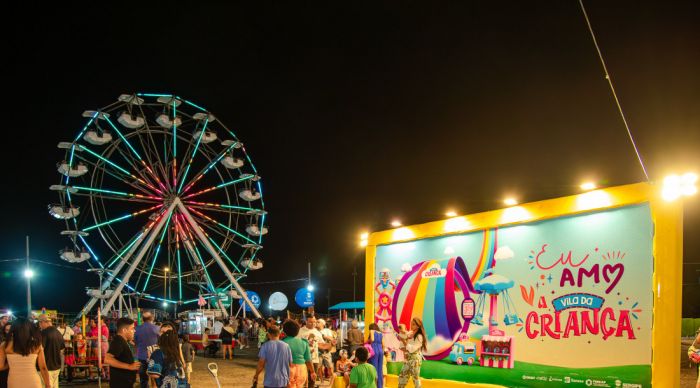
28,275
354,294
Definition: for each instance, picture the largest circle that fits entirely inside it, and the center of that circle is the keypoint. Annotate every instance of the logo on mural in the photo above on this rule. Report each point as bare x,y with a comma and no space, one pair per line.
578,313
434,271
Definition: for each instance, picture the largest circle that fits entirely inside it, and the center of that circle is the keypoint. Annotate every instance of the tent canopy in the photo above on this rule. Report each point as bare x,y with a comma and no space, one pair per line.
348,306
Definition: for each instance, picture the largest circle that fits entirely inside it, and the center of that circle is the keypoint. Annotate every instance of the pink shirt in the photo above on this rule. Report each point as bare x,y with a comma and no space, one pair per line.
105,332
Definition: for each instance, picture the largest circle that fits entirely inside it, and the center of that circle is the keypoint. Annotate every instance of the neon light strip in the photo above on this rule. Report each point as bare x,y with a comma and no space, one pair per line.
223,253
155,255
153,95
196,147
209,167
229,183
136,154
122,170
223,206
123,194
72,147
124,217
174,144
221,225
124,250
94,256
179,266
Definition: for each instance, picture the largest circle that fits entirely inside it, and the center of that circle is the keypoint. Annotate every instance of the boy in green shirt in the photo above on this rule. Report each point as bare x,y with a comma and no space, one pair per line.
363,375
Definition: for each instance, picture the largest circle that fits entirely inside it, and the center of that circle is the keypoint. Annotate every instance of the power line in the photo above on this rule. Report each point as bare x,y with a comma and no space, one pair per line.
612,89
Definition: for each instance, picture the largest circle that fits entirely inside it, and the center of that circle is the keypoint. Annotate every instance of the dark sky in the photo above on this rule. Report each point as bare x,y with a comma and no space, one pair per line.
356,115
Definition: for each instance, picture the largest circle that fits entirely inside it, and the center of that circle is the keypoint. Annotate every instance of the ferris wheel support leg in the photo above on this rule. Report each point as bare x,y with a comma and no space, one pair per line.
112,275
154,233
216,256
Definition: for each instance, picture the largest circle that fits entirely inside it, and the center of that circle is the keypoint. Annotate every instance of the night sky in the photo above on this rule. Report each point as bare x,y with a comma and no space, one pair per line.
355,116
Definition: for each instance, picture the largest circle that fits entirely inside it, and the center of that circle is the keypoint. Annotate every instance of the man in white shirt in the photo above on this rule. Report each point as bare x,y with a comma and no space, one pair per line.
67,334
326,356
304,333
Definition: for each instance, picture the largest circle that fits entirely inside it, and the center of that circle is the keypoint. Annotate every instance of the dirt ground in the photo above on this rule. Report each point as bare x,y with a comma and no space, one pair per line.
238,373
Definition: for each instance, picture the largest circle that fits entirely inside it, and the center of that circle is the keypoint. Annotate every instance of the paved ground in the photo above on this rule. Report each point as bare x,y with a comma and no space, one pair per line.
238,373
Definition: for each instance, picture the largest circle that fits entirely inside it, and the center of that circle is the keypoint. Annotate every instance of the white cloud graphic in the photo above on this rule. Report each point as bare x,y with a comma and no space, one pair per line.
504,253
406,267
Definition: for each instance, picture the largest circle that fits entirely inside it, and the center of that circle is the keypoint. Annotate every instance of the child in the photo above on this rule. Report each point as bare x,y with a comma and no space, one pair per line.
403,334
343,366
363,375
262,335
81,345
188,353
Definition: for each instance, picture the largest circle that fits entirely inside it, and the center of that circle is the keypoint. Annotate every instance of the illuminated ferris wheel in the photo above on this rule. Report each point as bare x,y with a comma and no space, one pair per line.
173,196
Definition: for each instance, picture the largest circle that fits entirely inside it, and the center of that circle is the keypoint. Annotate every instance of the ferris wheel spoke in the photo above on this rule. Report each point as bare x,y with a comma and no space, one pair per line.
124,172
246,177
106,193
218,248
196,147
237,233
122,218
121,177
136,154
206,169
227,209
189,243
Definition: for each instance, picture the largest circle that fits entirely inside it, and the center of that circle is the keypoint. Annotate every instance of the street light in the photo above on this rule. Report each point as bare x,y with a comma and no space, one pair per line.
28,273
679,185
396,223
451,213
310,287
510,201
588,186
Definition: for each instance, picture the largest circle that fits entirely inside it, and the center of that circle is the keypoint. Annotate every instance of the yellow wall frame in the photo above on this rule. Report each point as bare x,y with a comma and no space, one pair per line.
667,250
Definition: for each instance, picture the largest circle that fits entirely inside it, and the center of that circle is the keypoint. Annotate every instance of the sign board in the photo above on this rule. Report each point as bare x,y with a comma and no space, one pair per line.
224,297
278,301
560,291
254,298
304,298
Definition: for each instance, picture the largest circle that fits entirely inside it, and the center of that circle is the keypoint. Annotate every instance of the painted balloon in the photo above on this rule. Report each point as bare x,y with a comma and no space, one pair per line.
438,292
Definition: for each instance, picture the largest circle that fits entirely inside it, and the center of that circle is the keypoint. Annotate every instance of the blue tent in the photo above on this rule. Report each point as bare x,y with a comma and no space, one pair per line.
348,306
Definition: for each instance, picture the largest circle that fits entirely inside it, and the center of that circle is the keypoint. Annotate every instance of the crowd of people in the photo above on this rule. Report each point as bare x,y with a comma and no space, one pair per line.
294,353
303,354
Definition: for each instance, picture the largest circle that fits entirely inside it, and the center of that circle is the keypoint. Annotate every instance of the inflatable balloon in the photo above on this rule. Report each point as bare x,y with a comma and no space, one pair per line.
438,292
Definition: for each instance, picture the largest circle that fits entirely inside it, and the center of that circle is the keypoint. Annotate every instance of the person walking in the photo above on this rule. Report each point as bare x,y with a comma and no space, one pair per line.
301,355
376,340
166,364
53,344
23,352
275,358
354,336
120,358
146,335
413,345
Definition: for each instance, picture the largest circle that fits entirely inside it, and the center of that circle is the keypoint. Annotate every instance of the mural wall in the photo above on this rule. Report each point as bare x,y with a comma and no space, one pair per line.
566,300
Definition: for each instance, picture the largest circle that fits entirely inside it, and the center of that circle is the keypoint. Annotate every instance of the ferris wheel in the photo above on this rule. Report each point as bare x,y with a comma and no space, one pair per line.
167,195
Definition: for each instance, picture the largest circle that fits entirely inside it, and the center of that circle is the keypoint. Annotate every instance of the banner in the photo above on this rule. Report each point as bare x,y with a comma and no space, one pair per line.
562,301
304,298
